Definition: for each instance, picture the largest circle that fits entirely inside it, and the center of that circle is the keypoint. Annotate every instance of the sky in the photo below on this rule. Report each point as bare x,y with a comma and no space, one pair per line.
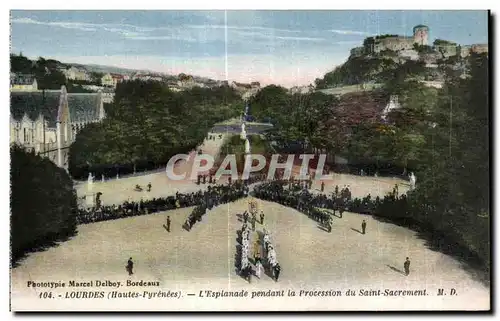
289,48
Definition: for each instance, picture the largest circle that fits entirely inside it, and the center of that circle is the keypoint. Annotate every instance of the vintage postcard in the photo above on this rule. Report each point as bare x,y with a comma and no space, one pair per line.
249,161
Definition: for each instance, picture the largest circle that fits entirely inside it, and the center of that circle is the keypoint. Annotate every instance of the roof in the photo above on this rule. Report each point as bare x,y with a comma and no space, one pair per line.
22,79
34,104
118,76
82,107
242,85
420,26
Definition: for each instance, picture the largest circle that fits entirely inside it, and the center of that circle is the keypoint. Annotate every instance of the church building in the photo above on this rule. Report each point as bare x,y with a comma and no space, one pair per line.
47,121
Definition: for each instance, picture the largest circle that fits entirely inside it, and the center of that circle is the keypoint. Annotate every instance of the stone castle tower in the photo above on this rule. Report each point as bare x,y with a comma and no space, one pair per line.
421,35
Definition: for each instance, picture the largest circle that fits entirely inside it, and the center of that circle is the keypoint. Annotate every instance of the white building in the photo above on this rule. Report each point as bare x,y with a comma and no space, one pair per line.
74,73
392,105
301,89
22,82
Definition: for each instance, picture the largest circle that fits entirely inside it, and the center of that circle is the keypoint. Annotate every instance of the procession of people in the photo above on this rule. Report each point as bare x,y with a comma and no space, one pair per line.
244,266
246,269
213,196
272,261
292,193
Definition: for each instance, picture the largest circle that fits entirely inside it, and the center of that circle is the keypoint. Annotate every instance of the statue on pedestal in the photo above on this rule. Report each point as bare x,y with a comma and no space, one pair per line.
90,182
413,181
243,134
247,146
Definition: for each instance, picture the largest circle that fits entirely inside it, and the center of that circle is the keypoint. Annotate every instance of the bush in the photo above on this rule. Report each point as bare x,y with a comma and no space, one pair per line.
43,203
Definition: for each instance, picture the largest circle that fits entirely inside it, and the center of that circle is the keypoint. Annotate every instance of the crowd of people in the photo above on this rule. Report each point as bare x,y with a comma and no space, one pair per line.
219,194
203,200
295,194
291,193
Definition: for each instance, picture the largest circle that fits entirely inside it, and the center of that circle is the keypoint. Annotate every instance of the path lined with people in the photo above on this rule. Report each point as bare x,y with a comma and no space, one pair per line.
204,258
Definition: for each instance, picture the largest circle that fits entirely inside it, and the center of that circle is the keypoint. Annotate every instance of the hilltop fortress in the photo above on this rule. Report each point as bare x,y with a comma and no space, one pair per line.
410,46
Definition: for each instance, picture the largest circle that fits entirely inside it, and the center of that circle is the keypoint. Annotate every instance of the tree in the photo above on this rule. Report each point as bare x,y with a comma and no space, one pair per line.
20,64
96,77
453,185
50,213
146,125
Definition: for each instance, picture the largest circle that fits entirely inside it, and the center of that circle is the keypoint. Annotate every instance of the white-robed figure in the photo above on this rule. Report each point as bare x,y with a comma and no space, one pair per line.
243,133
272,262
258,268
90,182
244,262
267,241
247,146
271,256
413,181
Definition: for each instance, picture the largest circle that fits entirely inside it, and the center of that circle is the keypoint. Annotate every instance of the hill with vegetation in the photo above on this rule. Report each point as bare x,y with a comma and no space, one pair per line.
379,67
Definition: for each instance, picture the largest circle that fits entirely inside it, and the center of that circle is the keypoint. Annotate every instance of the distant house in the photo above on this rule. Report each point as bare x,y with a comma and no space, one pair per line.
146,77
479,48
186,82
112,79
255,85
241,86
47,122
117,78
107,80
22,82
301,89
74,73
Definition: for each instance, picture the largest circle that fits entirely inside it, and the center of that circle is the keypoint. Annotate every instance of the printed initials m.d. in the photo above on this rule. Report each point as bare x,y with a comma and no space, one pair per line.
452,292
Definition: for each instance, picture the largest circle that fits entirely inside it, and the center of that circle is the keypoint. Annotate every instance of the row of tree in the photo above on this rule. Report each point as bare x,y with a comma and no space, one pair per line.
146,125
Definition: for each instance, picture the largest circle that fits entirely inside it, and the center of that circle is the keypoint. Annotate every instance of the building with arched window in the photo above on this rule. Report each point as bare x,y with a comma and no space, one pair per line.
47,121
